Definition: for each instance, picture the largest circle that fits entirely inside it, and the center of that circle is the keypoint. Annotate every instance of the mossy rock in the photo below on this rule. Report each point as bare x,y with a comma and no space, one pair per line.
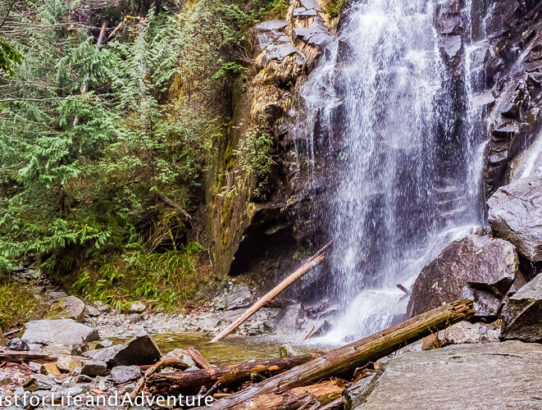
68,308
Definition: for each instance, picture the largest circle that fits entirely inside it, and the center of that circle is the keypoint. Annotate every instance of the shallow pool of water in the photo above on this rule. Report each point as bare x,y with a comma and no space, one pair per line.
234,349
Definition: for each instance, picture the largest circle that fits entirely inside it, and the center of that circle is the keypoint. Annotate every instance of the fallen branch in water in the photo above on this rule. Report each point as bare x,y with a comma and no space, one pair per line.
314,261
345,360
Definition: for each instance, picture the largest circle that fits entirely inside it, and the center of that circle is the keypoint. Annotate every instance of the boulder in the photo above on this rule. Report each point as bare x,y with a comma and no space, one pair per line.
68,308
515,212
474,376
65,331
141,350
124,374
485,265
522,314
94,368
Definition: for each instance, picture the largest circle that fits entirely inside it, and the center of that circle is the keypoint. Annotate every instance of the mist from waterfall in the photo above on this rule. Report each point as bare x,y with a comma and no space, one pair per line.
407,172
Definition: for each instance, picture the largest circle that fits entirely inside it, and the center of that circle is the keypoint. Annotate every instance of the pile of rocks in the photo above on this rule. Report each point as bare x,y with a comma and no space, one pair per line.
78,371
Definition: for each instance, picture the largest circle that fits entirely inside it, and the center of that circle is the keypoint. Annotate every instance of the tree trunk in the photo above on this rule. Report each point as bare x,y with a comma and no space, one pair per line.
186,383
15,356
314,261
345,359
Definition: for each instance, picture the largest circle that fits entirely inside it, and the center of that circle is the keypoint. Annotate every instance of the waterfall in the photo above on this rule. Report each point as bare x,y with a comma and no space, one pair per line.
405,171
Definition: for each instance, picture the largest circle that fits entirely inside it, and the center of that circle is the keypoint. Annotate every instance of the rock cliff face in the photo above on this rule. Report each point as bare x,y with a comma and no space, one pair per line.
513,71
250,235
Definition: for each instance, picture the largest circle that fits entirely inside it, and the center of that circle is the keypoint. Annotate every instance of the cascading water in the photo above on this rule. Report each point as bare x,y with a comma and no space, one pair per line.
405,169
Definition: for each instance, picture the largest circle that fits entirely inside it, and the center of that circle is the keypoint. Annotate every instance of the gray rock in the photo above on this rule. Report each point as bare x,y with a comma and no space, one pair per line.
137,307
57,295
104,343
460,376
279,52
515,214
94,368
240,297
17,344
84,379
479,262
106,355
38,382
522,314
302,12
182,355
451,45
311,5
141,350
124,374
65,331
271,25
69,308
317,34
92,311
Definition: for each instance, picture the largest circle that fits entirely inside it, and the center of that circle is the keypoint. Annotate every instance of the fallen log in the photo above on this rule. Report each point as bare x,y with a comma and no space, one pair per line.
314,261
344,360
198,358
316,395
187,383
178,364
16,356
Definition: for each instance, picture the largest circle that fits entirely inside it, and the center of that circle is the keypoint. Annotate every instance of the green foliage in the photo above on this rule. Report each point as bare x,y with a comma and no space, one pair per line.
231,67
17,305
8,57
87,180
335,8
254,153
167,278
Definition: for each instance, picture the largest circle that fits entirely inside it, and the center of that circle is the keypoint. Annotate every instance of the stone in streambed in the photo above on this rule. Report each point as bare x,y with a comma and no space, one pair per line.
124,374
63,331
17,345
105,355
141,350
94,368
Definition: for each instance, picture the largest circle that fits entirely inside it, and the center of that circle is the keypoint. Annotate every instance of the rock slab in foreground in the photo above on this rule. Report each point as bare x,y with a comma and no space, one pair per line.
486,376
486,265
515,214
64,331
522,314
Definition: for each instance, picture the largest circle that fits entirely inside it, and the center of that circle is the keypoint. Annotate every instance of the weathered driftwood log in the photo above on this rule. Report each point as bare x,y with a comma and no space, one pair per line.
198,358
187,383
178,364
345,359
314,261
316,395
15,356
